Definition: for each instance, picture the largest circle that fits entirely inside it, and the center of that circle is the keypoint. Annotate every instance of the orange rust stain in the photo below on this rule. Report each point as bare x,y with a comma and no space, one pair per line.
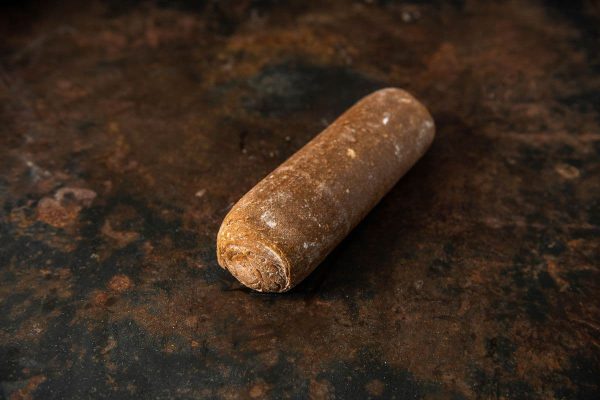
120,283
26,393
53,213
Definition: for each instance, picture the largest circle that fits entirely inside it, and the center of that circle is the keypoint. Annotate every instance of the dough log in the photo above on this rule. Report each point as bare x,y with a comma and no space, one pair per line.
279,231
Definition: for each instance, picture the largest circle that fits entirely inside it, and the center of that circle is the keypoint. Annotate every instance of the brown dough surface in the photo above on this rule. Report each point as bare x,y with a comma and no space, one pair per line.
279,231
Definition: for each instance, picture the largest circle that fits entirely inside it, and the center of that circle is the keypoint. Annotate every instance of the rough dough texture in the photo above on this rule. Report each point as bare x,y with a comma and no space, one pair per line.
286,225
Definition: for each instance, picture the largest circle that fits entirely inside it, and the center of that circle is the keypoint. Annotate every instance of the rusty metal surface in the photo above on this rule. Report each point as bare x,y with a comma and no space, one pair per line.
127,129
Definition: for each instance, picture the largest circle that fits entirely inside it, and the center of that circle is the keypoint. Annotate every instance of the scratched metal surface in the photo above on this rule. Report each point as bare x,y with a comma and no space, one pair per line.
127,129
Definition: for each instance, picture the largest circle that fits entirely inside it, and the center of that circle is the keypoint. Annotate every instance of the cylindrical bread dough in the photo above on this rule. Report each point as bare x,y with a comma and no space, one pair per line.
279,231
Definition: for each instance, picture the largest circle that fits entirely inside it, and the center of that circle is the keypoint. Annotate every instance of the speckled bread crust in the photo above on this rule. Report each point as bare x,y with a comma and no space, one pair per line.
287,224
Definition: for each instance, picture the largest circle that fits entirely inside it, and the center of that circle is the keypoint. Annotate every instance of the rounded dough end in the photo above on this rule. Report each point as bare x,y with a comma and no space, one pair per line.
252,260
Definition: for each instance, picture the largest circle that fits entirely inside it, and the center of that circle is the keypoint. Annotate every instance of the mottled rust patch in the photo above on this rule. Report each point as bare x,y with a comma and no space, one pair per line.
476,277
120,283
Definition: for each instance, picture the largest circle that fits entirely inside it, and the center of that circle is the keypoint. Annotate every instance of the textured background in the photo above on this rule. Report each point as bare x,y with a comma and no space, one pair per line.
127,130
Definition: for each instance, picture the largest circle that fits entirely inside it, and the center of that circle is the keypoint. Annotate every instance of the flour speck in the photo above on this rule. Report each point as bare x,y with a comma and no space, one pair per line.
268,219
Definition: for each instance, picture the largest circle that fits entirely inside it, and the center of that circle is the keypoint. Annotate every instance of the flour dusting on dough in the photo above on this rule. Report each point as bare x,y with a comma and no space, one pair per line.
268,219
397,150
424,134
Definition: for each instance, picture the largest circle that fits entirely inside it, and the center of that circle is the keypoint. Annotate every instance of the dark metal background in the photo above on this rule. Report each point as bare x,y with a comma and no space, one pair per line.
128,128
